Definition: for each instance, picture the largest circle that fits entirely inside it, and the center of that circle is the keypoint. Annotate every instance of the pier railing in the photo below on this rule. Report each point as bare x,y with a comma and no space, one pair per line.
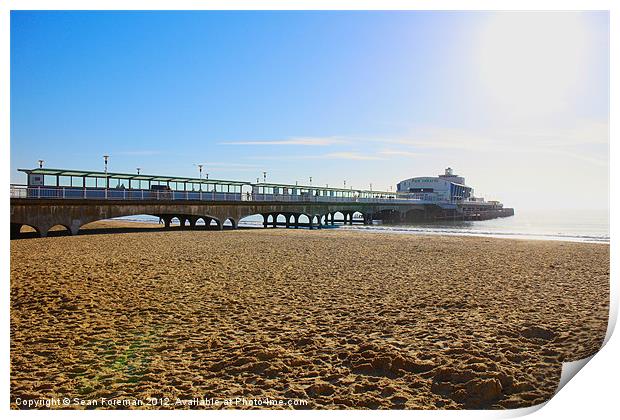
68,193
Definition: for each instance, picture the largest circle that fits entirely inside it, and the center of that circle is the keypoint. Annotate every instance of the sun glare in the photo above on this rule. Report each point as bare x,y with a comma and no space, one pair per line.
532,62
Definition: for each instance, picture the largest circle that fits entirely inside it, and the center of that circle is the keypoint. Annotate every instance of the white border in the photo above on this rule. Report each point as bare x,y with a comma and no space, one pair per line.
593,394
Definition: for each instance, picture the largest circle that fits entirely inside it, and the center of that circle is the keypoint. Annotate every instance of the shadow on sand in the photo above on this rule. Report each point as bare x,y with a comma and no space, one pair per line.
112,230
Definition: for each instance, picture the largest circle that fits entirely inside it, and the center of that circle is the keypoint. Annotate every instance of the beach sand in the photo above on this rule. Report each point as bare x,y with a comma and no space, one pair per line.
338,319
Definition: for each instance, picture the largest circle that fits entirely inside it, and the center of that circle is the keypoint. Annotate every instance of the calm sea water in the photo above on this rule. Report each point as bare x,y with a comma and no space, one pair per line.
574,226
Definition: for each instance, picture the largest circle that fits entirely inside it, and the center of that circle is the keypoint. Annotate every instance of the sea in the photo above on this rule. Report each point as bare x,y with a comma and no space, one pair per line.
556,225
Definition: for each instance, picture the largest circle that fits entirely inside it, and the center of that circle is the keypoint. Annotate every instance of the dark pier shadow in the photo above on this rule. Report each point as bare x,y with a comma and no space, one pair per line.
115,230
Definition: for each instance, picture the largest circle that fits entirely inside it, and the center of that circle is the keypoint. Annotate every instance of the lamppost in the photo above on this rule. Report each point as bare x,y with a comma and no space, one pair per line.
200,165
41,163
310,180
345,183
264,176
105,168
207,176
371,187
138,169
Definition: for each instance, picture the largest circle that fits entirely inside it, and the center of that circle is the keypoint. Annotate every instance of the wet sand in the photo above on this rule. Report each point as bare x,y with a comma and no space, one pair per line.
338,319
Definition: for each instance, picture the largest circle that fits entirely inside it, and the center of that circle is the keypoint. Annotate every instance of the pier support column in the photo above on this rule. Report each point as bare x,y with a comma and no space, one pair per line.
296,216
265,217
192,221
15,228
333,216
275,220
288,220
167,220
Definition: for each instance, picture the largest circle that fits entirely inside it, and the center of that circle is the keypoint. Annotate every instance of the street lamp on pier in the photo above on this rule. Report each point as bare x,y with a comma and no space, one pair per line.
105,168
200,165
264,176
138,169
41,163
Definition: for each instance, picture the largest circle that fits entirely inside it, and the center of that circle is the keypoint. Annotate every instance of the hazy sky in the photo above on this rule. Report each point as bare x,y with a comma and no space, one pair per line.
517,102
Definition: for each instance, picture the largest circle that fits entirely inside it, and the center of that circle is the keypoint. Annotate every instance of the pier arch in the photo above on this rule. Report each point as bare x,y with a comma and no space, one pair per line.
230,223
256,219
57,230
20,230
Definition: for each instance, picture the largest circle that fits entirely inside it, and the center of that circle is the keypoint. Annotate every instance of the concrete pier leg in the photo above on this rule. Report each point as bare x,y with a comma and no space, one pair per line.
192,221
275,220
288,220
333,216
296,221
15,228
265,216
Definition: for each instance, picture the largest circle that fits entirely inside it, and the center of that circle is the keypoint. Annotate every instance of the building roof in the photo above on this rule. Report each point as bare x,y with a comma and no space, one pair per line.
162,178
318,187
118,175
435,177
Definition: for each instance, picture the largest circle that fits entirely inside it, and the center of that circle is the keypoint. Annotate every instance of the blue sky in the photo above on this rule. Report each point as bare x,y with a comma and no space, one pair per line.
517,102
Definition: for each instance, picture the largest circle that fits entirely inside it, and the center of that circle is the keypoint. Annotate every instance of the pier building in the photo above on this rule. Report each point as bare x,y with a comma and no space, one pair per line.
445,187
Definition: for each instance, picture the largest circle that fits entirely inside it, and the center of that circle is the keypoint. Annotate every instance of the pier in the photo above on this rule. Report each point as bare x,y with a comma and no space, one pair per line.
72,198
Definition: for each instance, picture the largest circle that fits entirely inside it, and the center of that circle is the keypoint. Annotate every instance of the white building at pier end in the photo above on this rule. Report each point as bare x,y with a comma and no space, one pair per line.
446,187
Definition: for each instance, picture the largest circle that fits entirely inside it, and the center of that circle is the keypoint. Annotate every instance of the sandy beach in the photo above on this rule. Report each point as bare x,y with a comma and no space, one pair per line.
336,319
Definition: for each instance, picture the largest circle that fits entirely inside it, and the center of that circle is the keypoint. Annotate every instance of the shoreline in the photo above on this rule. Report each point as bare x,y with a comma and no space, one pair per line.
122,225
